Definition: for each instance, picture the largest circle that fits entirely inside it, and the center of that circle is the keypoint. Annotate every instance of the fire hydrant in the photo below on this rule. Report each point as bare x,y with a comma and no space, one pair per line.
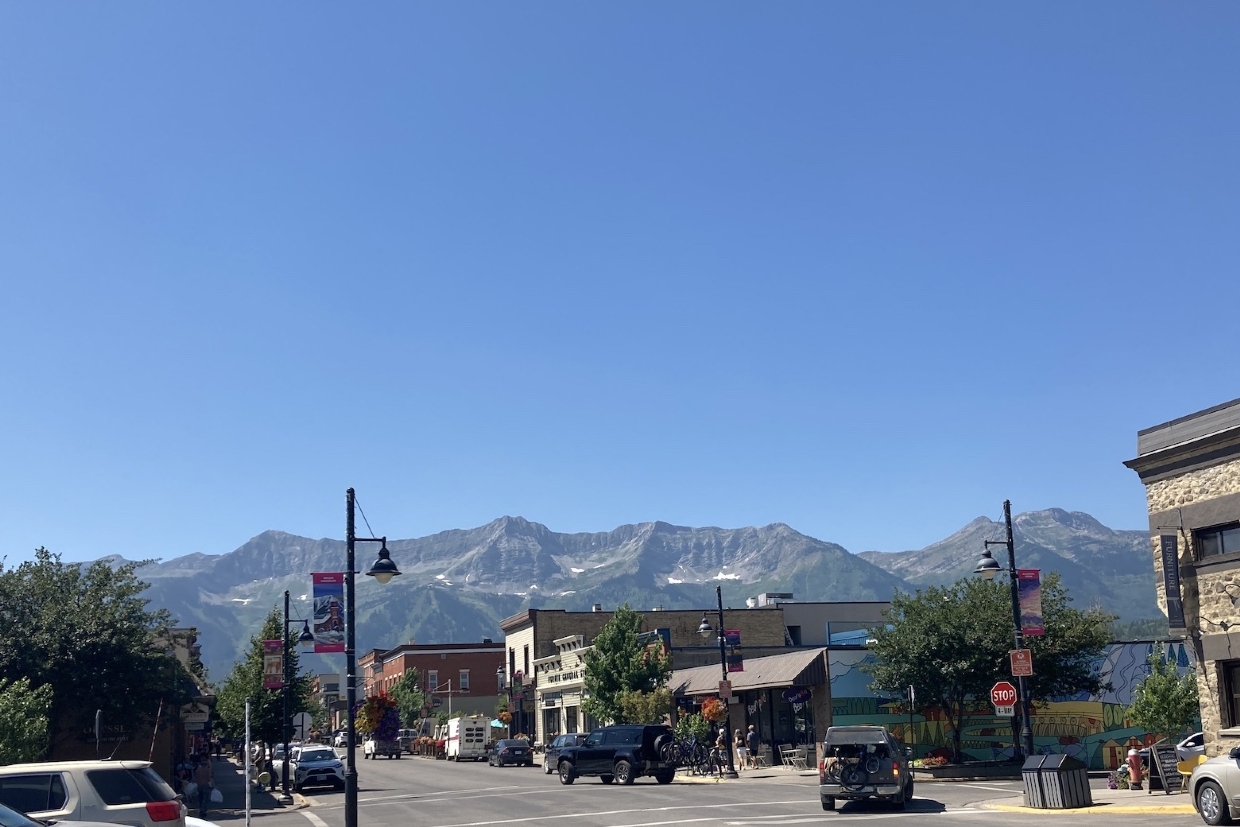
1134,770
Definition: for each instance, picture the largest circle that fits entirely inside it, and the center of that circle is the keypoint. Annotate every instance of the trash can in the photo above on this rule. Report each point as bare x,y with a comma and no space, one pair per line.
1030,775
1056,782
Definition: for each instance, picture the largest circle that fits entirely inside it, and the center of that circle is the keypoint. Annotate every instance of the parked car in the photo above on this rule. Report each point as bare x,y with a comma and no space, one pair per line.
408,739
340,739
861,762
316,766
12,818
510,751
551,758
1214,786
619,753
115,792
1191,747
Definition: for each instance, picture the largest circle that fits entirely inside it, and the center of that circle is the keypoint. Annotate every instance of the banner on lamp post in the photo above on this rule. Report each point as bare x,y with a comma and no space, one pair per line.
1029,588
328,611
273,664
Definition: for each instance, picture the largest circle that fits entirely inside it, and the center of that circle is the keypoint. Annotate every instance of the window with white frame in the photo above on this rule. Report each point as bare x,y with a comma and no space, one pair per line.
464,680
432,680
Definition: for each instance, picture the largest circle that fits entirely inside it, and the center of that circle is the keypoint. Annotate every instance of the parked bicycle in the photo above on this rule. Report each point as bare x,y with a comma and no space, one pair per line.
690,753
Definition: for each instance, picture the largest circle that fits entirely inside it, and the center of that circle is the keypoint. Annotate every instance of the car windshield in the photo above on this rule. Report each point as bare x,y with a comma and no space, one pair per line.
12,818
317,755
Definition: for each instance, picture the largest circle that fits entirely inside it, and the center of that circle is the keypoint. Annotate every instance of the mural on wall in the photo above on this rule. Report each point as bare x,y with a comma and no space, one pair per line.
1091,728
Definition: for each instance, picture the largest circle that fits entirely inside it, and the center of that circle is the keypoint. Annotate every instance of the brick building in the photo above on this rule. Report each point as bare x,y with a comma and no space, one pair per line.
462,677
1191,471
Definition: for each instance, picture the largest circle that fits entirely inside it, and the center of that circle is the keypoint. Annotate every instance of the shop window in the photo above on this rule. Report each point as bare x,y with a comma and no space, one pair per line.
1217,541
1230,702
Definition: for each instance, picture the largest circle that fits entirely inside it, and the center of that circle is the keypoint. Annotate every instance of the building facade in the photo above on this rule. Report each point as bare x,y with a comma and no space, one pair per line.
457,677
1191,471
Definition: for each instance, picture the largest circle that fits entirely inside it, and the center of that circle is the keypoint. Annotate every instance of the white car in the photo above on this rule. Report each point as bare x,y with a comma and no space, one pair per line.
12,818
115,792
1191,746
316,766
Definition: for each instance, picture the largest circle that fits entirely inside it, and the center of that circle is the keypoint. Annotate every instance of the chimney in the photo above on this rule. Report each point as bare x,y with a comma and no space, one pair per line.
486,640
598,607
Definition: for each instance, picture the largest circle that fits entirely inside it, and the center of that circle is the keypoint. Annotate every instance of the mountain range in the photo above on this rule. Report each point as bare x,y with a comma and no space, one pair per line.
457,585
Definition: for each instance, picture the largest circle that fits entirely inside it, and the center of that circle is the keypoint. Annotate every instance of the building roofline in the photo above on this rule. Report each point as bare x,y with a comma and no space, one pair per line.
1187,418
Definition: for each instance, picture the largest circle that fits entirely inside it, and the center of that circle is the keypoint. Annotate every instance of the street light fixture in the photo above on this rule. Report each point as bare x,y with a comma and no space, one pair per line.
383,570
305,639
988,567
704,630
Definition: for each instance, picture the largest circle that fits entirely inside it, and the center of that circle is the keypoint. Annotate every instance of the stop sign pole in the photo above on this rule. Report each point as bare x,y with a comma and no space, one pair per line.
988,567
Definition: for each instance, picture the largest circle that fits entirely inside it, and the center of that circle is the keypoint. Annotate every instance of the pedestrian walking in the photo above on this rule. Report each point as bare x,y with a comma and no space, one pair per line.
204,777
742,750
752,741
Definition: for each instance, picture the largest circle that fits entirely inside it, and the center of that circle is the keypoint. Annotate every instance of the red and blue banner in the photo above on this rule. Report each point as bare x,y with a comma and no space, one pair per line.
1029,588
273,664
328,611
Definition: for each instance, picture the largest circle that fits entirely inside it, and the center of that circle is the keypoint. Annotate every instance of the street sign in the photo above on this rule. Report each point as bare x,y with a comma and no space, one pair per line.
301,725
1005,711
1022,663
1003,694
725,689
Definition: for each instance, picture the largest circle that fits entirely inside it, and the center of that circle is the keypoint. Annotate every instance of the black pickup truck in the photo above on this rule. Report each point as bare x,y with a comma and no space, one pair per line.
620,753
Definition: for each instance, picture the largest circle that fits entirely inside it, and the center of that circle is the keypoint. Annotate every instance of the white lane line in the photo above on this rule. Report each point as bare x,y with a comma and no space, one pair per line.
867,816
433,792
619,812
994,789
313,819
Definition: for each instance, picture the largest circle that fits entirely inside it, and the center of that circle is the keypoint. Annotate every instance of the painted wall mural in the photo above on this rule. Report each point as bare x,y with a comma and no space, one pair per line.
1091,728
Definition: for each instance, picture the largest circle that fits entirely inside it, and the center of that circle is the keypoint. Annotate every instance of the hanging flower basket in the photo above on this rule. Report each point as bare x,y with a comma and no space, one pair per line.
714,710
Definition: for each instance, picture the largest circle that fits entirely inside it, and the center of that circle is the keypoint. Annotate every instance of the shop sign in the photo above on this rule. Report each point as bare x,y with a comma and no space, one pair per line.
798,694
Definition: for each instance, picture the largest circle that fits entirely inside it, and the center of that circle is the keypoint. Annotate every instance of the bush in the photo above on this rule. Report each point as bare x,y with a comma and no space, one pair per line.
934,761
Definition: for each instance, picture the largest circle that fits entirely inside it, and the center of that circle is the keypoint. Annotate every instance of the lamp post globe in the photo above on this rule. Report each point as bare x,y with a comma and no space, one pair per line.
987,566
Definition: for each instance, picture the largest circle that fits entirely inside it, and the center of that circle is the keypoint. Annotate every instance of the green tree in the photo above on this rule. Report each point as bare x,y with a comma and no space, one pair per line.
619,661
646,707
1164,703
245,682
693,725
951,644
23,720
409,697
85,631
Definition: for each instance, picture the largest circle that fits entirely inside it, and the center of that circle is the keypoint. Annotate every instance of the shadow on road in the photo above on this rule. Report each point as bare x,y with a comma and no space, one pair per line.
917,805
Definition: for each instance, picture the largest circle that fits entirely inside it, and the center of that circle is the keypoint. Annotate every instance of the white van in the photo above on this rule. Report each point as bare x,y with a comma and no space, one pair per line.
467,737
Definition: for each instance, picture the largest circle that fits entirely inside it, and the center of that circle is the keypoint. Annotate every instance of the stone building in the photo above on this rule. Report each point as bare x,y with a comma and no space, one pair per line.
1191,471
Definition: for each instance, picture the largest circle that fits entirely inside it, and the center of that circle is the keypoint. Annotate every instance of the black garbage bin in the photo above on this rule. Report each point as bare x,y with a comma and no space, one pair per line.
1030,775
1056,782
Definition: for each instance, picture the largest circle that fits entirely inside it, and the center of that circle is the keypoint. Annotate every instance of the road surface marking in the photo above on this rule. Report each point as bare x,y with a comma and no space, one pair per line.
620,812
313,819
433,793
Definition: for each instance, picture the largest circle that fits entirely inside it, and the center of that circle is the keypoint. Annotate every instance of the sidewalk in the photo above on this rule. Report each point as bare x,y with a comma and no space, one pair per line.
230,781
1119,802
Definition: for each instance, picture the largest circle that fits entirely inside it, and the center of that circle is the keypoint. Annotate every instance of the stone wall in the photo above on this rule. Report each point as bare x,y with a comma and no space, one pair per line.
1211,595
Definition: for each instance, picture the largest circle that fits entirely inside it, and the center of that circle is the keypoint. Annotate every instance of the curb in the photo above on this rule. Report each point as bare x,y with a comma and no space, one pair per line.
1104,807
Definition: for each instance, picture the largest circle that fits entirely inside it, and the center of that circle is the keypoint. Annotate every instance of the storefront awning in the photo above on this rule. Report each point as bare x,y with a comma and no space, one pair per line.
804,667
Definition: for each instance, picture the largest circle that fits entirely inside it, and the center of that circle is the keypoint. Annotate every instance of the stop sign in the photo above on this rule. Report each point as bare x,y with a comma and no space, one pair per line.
1003,694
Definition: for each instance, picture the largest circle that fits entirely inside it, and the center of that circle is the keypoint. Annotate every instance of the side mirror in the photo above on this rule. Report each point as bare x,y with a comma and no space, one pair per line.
1234,754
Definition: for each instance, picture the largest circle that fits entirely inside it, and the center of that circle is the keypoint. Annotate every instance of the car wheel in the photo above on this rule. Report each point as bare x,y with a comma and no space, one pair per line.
607,779
908,794
828,802
567,776
1211,804
665,776
898,803
624,772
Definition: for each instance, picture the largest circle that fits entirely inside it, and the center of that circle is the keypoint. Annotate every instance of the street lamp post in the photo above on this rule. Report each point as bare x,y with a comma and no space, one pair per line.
305,639
704,630
382,570
988,567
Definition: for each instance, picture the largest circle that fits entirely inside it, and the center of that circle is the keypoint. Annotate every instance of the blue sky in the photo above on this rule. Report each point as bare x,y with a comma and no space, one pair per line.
864,268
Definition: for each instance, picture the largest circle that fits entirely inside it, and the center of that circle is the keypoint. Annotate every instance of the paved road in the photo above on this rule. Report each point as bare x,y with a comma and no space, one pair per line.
417,792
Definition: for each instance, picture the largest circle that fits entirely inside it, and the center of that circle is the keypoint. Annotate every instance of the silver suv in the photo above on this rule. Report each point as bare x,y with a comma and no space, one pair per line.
117,792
